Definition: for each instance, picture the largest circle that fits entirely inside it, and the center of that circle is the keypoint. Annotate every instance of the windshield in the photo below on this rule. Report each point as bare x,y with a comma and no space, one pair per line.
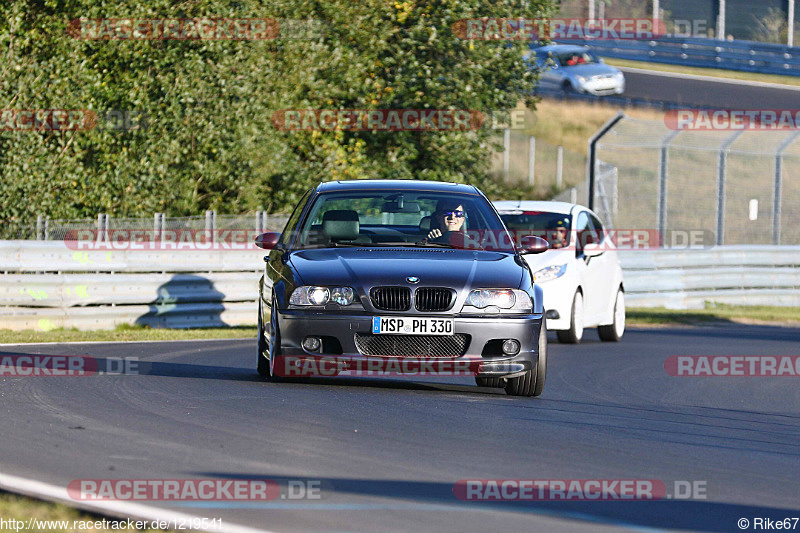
571,59
407,218
553,227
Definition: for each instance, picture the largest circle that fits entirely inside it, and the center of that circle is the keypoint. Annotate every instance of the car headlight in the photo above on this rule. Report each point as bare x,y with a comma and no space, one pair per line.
495,300
549,273
619,76
310,295
580,79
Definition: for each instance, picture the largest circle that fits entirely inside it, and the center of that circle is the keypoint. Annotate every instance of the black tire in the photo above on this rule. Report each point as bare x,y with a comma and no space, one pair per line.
567,88
574,334
531,383
263,363
614,331
488,382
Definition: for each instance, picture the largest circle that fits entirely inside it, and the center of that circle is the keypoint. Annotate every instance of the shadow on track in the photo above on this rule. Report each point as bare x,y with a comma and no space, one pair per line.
696,515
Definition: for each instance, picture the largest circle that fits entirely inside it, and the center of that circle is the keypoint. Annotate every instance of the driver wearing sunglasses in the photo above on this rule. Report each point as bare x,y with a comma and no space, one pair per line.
448,218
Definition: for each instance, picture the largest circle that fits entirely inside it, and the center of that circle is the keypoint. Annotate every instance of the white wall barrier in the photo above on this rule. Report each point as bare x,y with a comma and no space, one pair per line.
46,285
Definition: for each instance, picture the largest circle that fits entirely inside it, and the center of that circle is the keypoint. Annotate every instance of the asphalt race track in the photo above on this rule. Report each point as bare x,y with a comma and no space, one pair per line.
713,93
387,452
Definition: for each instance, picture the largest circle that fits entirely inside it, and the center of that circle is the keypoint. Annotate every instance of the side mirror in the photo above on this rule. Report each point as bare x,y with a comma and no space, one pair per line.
531,244
592,249
268,240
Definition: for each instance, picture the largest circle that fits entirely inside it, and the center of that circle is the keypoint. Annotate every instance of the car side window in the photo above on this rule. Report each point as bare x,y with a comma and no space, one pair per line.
599,231
291,224
585,231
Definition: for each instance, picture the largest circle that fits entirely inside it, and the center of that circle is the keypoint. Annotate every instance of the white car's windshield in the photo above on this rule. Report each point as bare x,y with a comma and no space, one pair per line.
553,227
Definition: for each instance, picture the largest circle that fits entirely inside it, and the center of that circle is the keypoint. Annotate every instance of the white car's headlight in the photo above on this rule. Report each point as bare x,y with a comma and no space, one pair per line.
511,300
619,76
549,273
310,295
580,79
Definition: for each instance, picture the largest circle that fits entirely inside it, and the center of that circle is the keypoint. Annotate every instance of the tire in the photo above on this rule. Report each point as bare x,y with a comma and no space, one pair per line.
614,331
531,383
263,363
567,88
264,366
574,334
489,382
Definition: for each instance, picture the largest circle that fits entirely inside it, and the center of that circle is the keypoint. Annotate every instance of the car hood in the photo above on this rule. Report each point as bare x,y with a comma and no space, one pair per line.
369,267
557,256
590,70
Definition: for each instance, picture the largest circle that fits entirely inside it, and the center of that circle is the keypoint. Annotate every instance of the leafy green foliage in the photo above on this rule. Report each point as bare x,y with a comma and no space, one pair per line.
208,141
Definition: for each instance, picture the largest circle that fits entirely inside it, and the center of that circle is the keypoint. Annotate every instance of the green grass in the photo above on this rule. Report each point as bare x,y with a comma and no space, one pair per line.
126,333
719,313
714,72
21,508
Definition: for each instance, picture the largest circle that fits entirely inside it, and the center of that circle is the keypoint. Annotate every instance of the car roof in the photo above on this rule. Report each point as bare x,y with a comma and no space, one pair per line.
563,208
561,48
394,185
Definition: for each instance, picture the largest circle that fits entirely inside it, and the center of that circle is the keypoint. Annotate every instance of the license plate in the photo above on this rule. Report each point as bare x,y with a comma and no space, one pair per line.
404,325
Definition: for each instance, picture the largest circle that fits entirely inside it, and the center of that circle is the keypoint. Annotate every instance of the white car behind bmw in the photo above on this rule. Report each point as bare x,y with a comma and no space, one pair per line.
580,274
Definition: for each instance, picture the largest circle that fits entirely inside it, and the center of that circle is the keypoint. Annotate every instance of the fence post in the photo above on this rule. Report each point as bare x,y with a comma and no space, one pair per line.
560,168
591,167
721,170
663,172
506,152
777,197
39,224
102,226
531,160
211,224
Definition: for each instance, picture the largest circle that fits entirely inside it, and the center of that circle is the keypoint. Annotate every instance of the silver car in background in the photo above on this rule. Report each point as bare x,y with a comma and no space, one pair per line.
571,68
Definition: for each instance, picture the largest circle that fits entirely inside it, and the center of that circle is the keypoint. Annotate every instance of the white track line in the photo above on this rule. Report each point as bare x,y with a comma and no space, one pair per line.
710,78
45,491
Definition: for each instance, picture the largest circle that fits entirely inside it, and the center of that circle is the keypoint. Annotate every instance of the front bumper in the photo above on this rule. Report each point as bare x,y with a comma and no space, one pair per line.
480,358
603,88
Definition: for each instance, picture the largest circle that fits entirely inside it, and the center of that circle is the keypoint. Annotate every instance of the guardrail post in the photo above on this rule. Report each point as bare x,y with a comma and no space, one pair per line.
721,170
531,160
790,24
560,168
39,224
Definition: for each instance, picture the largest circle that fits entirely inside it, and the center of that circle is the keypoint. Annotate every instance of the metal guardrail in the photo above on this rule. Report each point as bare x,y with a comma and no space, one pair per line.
734,275
746,56
45,287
